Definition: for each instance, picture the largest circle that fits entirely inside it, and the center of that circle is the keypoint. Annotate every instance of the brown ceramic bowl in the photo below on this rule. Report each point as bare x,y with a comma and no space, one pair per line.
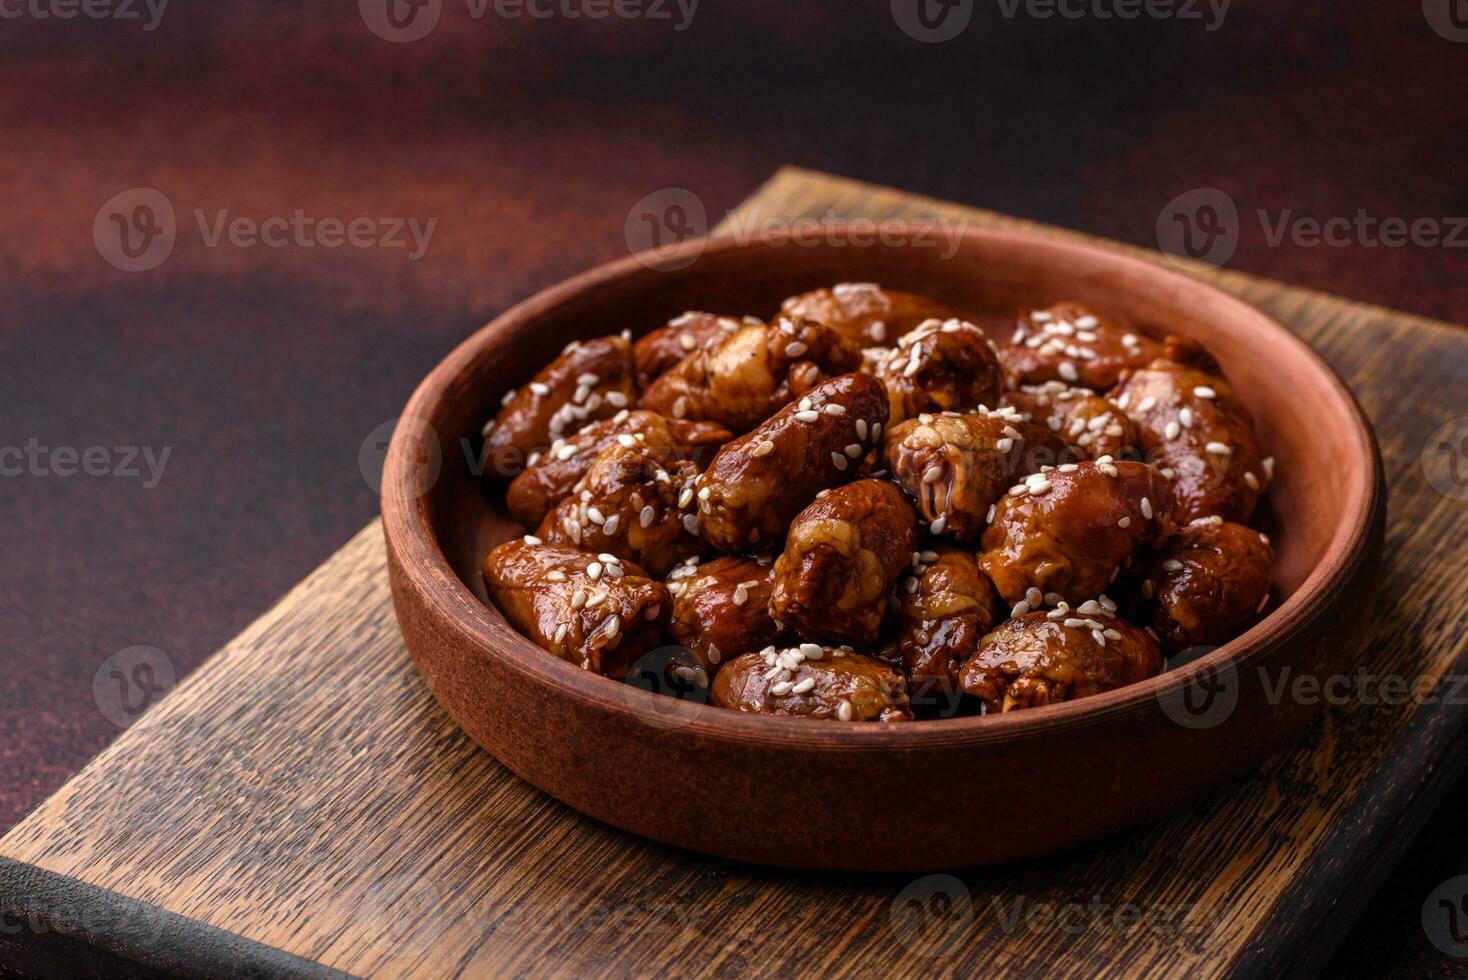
932,794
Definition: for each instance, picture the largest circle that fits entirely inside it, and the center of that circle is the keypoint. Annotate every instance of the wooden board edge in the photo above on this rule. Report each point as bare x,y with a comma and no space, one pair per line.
1357,881
1223,276
53,925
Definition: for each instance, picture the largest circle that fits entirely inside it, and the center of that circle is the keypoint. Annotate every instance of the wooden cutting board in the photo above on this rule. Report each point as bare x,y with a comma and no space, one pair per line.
299,805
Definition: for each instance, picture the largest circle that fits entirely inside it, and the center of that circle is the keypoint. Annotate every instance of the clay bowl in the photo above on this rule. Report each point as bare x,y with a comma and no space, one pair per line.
945,793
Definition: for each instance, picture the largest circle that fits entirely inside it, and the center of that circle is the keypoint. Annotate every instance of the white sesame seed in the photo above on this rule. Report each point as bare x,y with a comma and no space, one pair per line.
555,575
843,710
690,523
1039,487
595,515
1146,404
1219,448
1171,430
861,428
617,400
610,527
781,688
1004,445
1068,371
645,518
794,349
1268,466
834,409
531,539
1172,565
877,434
808,415
1067,467
741,596
611,626
594,570
561,631
1203,391
803,686
507,397
1185,416
937,526
486,429
1073,622
1147,508
680,407
588,379
838,461
764,448
989,517
933,474
1098,636
1125,522
687,341
540,388
1020,608
1251,480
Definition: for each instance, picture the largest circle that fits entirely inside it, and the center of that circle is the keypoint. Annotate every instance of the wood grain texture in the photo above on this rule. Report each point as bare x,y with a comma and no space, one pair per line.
302,789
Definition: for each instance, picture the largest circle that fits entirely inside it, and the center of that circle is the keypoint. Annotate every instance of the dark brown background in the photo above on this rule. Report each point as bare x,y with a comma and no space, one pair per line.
530,141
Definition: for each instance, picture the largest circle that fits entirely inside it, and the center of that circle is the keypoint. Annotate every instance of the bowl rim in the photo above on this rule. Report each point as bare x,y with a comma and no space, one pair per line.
413,548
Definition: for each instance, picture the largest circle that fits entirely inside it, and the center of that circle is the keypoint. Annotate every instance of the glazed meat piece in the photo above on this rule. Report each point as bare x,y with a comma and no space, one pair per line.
594,611
1071,343
864,312
721,607
591,380
667,345
1210,582
1041,658
565,462
758,482
1190,424
958,466
1069,530
812,681
1081,417
628,505
752,373
947,607
842,555
940,366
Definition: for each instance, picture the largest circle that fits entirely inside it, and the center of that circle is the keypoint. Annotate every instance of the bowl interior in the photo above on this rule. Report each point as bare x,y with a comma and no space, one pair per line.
1304,416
